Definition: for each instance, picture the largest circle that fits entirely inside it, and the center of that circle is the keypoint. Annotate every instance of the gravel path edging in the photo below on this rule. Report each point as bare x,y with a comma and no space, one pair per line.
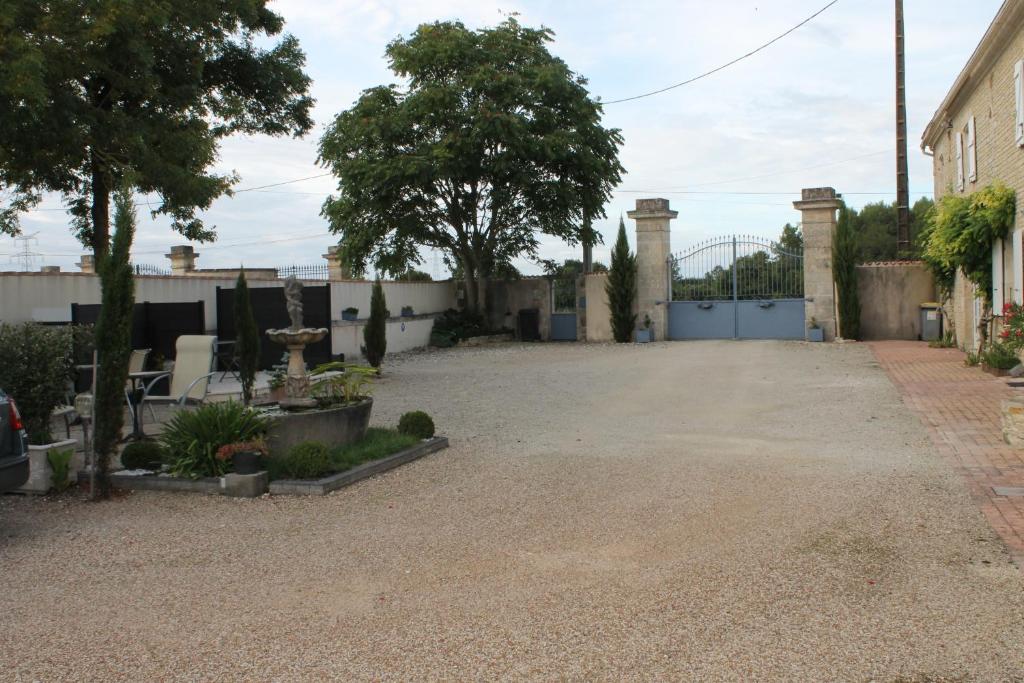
321,487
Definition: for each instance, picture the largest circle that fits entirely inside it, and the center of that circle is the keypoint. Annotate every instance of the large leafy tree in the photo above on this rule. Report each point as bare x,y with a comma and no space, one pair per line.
490,142
97,93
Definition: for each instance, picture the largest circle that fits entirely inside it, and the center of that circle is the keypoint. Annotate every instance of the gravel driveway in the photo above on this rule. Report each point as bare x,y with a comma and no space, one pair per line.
687,511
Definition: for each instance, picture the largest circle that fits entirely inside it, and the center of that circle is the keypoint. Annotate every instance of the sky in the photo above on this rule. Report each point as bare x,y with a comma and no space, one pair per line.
731,152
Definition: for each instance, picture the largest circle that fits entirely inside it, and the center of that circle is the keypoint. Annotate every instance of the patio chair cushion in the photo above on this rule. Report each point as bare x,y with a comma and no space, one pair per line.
194,358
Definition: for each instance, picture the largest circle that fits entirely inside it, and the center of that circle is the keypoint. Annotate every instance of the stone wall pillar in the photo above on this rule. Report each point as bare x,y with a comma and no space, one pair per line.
653,248
818,208
336,270
87,264
49,269
183,259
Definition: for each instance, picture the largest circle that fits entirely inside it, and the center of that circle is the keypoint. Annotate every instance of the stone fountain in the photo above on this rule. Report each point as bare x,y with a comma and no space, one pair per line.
295,338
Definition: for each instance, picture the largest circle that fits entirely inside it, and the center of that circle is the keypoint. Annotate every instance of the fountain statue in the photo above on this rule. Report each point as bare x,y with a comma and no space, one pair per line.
295,338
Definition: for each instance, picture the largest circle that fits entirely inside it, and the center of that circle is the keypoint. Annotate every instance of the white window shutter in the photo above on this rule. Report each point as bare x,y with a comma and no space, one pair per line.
1018,88
972,152
1018,266
997,277
959,161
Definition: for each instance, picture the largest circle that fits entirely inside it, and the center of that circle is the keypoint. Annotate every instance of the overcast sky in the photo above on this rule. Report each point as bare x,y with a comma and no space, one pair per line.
731,152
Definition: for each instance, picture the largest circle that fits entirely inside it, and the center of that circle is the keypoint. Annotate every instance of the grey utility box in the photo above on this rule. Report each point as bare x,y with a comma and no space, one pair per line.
931,322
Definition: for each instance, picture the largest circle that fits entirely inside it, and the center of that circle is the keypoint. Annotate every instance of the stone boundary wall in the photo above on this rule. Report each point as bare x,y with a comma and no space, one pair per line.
891,294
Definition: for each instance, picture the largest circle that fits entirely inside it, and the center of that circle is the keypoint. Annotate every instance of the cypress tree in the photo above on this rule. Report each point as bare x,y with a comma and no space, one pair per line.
621,288
247,338
113,339
844,269
375,332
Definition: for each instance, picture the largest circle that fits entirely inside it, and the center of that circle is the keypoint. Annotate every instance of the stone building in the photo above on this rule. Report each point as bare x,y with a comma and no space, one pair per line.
975,138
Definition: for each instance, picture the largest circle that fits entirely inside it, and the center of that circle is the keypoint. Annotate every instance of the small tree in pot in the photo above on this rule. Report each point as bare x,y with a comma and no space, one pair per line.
375,332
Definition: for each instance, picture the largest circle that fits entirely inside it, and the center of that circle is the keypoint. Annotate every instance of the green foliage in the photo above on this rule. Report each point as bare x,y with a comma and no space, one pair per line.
307,460
490,142
621,288
375,333
247,338
960,233
948,341
36,364
351,383
143,455
416,423
313,460
413,275
453,326
279,373
972,358
60,464
844,271
191,438
1001,356
97,94
114,339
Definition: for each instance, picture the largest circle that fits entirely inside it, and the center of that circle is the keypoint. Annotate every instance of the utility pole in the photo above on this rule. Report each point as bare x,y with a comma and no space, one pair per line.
902,185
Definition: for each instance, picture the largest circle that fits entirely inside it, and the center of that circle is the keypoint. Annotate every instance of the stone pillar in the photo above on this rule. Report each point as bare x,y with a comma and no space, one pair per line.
818,209
87,264
183,259
653,248
335,269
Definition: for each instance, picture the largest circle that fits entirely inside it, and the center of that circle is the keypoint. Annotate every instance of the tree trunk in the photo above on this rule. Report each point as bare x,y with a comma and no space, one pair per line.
470,283
100,209
481,294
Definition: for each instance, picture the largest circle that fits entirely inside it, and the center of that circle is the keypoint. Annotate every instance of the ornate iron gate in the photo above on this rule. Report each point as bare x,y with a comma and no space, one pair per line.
737,287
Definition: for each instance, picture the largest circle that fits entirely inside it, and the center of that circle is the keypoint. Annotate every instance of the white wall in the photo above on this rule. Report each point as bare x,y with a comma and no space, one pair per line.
47,297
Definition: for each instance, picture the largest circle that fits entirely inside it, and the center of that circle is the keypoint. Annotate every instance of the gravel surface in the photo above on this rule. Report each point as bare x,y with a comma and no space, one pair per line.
687,511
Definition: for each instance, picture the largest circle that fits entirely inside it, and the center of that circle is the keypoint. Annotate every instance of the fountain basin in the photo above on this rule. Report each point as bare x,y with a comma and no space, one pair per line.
337,426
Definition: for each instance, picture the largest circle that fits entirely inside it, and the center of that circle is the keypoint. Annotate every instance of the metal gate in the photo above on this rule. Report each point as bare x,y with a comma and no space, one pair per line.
737,287
563,309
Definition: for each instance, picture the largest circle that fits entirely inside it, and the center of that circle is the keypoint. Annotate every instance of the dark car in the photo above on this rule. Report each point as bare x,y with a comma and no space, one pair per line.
13,446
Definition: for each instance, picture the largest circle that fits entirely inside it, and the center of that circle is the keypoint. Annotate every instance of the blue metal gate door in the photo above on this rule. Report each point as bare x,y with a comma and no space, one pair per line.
563,309
737,287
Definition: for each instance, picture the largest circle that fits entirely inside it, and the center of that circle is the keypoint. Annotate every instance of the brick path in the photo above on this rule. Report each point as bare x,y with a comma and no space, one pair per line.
961,407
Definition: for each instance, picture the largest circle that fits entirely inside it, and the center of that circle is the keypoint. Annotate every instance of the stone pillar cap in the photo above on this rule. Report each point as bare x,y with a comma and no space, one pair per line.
652,208
818,198
182,250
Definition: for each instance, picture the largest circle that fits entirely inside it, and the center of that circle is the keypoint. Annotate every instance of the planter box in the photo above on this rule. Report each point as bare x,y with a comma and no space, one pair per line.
320,487
237,485
407,313
643,336
815,334
995,372
333,426
350,316
40,474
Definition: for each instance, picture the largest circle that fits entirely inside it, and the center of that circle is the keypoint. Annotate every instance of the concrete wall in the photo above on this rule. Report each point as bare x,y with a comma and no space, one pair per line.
599,324
507,298
890,297
402,335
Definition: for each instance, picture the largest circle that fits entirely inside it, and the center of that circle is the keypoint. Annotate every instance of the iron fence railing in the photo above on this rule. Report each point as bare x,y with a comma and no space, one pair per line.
147,269
305,272
736,267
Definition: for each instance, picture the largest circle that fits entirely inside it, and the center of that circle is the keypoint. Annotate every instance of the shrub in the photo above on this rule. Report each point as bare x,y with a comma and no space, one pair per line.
416,423
37,364
844,269
375,332
352,383
453,326
247,338
307,460
192,438
60,463
142,455
1000,356
621,288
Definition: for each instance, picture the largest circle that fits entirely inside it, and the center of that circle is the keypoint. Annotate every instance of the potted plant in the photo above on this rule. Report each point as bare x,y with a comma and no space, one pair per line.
407,312
350,313
814,331
999,358
246,456
37,371
645,335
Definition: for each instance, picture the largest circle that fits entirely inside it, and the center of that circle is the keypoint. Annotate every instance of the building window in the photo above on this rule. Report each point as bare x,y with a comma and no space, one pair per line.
1018,92
959,150
972,152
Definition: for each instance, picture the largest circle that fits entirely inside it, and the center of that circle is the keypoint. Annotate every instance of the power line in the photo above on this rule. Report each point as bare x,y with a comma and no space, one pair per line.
726,65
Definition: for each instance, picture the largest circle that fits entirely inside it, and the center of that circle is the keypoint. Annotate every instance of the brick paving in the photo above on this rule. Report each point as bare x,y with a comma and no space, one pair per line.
960,406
